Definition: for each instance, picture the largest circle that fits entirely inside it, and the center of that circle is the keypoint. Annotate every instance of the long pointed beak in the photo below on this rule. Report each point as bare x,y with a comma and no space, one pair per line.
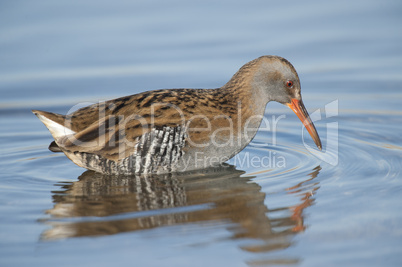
298,107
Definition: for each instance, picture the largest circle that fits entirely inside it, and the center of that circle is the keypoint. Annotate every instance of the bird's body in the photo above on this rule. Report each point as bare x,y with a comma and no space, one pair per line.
175,130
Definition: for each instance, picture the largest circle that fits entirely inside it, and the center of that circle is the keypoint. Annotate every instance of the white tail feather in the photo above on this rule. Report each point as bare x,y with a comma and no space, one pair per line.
57,130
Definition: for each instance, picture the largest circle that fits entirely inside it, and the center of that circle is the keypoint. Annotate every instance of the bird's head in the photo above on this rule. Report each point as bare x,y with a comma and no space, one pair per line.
275,79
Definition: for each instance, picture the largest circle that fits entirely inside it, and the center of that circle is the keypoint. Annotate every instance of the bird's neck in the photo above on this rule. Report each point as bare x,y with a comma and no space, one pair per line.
248,109
248,101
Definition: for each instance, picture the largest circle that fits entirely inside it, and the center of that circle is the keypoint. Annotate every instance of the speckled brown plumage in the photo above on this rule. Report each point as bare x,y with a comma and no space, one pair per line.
154,109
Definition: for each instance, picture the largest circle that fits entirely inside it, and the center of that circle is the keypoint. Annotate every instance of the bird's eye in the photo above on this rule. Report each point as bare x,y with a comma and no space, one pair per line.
289,84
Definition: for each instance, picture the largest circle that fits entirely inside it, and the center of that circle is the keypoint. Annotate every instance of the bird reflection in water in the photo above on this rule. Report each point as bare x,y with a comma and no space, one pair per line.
98,204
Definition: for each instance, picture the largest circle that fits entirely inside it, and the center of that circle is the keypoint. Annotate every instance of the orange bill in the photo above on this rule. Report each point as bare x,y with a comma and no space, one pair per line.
298,107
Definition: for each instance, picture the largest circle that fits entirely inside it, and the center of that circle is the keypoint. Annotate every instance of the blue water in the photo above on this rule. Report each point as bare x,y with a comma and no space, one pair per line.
280,203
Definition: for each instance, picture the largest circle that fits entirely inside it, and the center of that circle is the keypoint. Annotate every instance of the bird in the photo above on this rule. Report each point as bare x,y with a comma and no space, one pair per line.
177,130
